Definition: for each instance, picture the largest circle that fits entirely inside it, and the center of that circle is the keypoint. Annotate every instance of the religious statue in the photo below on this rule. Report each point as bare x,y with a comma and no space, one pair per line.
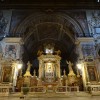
28,69
69,65
71,76
7,74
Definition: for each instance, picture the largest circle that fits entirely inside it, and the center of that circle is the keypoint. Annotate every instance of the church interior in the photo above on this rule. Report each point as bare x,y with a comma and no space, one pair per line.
49,49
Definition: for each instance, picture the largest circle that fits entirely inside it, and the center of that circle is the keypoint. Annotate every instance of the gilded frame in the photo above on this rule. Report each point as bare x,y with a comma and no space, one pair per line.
92,74
6,74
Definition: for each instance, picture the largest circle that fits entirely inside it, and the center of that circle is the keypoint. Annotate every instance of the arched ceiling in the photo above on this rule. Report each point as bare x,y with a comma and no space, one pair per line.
60,29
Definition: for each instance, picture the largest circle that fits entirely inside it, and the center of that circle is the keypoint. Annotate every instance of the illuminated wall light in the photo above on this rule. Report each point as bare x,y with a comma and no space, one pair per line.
19,66
48,51
79,66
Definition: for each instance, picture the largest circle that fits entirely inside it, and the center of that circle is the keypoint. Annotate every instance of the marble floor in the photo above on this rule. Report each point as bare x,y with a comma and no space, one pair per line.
53,98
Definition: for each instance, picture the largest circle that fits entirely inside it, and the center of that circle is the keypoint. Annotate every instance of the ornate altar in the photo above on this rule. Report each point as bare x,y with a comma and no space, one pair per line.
49,68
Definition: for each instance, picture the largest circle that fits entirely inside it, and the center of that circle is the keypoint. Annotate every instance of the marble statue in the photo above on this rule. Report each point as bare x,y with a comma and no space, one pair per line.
28,69
69,65
71,72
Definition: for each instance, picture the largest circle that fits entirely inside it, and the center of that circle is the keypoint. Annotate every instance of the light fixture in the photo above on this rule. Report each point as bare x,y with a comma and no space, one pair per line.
19,66
79,66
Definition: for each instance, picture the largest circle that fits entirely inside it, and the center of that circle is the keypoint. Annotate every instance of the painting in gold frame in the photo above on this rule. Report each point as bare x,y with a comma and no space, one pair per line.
92,74
6,74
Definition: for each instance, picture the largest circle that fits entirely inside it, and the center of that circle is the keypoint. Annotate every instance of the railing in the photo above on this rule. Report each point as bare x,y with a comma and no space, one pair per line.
73,88
93,88
5,89
64,89
43,89
61,89
36,89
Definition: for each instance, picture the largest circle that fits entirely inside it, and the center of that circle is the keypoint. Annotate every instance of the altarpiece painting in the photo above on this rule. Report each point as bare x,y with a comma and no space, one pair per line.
92,74
6,74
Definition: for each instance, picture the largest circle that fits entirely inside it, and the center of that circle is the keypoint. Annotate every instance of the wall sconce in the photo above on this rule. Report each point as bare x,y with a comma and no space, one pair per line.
79,66
79,69
19,64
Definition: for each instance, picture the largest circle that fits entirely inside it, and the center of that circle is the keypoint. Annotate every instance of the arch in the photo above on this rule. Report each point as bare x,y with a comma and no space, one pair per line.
60,18
64,29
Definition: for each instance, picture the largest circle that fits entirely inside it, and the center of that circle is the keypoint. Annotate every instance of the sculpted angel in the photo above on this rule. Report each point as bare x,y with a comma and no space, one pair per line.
69,65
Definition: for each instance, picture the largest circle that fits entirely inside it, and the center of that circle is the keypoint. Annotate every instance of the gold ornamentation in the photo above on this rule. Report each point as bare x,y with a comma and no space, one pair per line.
39,53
